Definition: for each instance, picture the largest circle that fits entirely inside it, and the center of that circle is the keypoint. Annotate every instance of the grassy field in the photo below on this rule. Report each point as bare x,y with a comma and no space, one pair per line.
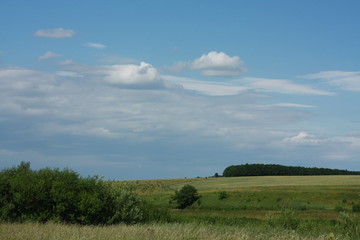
316,207
174,231
313,197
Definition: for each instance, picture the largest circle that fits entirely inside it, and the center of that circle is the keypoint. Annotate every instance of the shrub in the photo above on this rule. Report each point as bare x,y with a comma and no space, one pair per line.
186,196
356,207
223,195
64,196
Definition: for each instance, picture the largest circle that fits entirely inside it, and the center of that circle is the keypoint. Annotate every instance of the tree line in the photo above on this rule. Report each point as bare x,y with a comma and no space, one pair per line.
280,170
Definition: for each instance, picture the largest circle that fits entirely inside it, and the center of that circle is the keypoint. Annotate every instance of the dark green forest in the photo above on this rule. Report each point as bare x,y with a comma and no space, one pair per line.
280,170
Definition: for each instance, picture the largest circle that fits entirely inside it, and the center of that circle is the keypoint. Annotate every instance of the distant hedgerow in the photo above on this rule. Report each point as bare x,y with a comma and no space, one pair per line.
64,196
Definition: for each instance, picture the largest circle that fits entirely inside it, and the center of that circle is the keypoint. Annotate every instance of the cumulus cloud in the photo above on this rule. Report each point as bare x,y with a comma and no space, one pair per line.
346,80
49,55
95,45
218,64
131,75
215,64
55,33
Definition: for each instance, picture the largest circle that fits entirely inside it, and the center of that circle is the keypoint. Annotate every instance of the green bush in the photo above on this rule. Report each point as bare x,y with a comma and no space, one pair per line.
64,196
223,195
356,207
186,196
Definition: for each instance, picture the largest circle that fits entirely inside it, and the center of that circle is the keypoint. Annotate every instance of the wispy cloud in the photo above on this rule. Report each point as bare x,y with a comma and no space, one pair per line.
206,87
235,87
49,55
345,80
303,138
281,86
294,105
95,45
69,74
55,33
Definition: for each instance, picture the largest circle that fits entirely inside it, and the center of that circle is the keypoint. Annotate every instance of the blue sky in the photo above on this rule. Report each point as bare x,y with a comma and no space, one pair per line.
171,89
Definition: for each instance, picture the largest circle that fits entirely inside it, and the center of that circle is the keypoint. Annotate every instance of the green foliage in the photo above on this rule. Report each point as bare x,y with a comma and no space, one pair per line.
356,207
64,196
223,195
186,196
280,170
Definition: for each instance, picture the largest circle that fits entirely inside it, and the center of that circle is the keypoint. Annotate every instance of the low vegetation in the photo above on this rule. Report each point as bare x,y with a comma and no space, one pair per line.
267,207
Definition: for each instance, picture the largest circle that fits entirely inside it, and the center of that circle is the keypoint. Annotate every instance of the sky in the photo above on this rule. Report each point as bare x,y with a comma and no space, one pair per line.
173,89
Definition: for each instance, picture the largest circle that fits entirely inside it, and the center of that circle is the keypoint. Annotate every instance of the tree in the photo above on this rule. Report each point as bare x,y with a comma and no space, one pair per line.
64,196
186,196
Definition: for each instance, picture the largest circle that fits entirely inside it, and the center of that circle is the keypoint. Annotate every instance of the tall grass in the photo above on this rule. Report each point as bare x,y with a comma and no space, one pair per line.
173,231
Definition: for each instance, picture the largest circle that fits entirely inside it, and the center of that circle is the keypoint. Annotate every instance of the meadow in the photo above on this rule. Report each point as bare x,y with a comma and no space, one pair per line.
273,207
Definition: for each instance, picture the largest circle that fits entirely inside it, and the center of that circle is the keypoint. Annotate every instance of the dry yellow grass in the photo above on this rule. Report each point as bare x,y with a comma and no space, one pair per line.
271,181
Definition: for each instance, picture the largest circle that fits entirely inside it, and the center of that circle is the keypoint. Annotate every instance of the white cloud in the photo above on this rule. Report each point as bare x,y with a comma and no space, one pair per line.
303,138
91,108
49,55
245,84
22,79
280,86
346,80
131,75
55,33
216,64
95,45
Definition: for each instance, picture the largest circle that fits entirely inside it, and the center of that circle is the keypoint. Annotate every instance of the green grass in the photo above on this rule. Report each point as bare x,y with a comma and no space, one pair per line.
173,231
252,209
313,197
